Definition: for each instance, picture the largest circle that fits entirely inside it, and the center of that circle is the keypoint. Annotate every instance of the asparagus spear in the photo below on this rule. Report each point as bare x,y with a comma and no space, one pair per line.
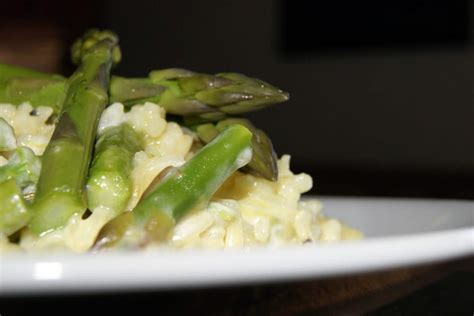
24,166
14,72
18,85
14,213
264,159
179,92
108,188
183,188
60,191
183,92
202,98
109,184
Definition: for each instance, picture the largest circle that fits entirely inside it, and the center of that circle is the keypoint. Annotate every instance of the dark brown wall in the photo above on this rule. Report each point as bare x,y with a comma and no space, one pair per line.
377,120
397,109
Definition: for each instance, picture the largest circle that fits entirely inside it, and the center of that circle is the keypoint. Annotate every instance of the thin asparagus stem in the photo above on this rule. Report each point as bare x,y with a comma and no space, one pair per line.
264,159
180,92
24,167
183,188
60,191
110,184
14,212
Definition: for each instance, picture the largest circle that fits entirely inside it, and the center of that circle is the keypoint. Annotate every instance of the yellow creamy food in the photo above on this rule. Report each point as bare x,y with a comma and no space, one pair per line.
246,211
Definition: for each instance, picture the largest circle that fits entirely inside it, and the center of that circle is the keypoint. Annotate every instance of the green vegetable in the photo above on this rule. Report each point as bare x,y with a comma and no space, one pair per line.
202,98
264,159
7,136
60,191
200,177
24,167
206,96
178,91
18,85
8,72
110,184
14,213
184,188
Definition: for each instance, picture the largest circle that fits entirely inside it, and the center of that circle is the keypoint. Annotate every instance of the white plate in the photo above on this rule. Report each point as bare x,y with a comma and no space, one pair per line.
399,232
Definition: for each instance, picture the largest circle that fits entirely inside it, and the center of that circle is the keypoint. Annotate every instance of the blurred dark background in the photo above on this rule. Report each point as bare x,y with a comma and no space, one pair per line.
382,98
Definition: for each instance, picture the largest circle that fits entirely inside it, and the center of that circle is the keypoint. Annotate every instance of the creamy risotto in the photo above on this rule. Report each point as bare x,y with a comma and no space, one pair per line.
246,211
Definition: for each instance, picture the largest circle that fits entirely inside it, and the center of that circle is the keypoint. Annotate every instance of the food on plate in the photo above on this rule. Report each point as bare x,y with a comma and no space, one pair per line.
95,161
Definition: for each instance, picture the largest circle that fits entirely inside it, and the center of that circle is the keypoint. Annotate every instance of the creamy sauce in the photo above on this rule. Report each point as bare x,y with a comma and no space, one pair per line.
245,212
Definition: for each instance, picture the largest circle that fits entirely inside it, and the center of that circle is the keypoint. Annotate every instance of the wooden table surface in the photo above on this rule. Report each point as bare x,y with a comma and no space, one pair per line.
439,289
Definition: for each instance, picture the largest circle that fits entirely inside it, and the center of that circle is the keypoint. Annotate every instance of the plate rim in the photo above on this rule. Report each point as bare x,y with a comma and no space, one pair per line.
191,269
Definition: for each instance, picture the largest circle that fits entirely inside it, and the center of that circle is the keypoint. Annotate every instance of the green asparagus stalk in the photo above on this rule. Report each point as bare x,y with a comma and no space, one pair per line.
18,85
7,136
185,93
38,92
8,72
264,159
60,191
24,167
183,188
110,184
201,98
179,92
14,213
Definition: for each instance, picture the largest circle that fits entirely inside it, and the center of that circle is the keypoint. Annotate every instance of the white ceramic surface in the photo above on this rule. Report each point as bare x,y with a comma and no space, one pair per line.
399,232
